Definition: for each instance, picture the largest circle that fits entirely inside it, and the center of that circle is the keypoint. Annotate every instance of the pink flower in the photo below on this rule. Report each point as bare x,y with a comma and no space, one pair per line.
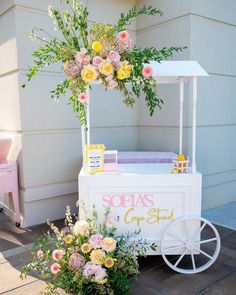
123,35
89,269
55,268
93,269
111,220
65,230
83,97
86,60
147,71
81,57
124,45
109,78
114,56
72,68
96,241
97,60
83,51
40,254
76,261
100,273
112,84
57,254
109,244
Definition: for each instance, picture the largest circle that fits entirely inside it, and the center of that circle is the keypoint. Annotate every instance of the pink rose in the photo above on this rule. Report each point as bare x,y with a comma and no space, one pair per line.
100,273
40,254
55,268
83,97
93,269
57,254
89,269
96,241
112,84
147,71
97,60
109,244
123,35
114,56
86,60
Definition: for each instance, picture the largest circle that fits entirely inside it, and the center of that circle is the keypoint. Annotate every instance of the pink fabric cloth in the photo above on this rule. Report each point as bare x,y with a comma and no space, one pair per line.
8,175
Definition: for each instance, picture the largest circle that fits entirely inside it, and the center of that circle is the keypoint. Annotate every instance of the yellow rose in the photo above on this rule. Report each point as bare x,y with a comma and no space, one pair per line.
109,262
121,75
86,248
108,244
97,256
126,67
69,239
89,74
97,46
106,68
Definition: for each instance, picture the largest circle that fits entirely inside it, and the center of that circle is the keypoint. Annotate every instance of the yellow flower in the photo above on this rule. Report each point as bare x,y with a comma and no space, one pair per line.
89,74
121,75
106,68
86,248
126,67
97,46
101,282
181,157
109,244
97,256
109,262
69,239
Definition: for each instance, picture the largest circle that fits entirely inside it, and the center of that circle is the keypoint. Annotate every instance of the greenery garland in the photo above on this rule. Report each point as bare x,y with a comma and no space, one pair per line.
104,54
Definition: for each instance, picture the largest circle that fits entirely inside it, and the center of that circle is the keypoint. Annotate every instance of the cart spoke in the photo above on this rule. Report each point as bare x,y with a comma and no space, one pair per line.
193,261
204,253
206,241
180,258
176,236
174,248
199,230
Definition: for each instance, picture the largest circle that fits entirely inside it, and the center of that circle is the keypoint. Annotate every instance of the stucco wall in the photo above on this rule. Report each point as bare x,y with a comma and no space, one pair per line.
208,28
47,136
48,146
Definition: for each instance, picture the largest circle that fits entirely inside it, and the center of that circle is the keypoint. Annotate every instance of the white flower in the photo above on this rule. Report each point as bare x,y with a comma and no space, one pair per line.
50,11
81,227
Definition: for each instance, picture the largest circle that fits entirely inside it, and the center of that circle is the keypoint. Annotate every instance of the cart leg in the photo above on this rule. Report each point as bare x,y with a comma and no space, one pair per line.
15,197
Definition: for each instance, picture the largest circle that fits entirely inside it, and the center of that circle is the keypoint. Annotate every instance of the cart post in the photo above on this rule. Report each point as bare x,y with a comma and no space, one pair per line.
194,125
181,102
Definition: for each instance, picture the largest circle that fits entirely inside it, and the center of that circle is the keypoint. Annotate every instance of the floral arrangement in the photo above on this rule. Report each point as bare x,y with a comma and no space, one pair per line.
102,54
84,258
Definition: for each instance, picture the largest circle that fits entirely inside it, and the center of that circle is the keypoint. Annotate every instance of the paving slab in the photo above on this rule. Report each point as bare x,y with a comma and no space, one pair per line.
226,286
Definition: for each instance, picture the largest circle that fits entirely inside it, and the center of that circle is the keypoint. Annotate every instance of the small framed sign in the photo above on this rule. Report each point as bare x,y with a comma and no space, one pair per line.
95,158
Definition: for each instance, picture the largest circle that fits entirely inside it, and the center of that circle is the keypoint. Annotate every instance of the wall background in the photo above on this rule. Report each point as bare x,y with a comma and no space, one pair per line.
47,135
208,28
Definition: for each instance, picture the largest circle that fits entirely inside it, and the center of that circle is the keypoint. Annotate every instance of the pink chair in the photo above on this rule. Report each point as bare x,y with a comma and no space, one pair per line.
8,176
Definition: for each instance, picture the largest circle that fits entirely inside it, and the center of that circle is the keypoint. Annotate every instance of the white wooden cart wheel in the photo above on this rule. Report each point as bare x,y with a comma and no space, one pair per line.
190,245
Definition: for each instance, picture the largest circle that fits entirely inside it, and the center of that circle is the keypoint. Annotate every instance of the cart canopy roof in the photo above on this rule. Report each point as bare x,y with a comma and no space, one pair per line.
173,71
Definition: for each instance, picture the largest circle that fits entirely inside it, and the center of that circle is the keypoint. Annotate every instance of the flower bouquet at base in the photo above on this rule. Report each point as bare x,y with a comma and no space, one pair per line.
85,258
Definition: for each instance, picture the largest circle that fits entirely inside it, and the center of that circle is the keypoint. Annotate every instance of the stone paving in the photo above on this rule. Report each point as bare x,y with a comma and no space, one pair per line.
155,277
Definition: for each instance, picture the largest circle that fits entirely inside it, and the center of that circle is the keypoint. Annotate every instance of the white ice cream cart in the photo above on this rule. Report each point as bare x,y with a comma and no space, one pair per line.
167,207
